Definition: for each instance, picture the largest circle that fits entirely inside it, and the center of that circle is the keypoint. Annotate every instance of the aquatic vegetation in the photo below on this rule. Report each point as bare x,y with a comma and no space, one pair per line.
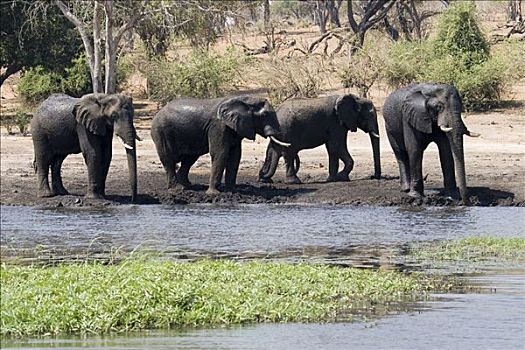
141,294
473,249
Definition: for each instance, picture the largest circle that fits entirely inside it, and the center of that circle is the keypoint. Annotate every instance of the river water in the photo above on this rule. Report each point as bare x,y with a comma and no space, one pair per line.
362,236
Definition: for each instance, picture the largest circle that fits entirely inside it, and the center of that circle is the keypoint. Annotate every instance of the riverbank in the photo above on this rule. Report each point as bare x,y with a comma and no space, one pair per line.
495,165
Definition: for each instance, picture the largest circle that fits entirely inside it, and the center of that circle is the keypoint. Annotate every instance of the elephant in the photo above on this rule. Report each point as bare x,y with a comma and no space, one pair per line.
64,125
308,123
186,129
417,115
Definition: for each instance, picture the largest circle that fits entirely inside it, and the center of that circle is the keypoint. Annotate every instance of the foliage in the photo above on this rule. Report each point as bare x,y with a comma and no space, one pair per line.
285,79
40,39
405,62
200,74
459,36
364,69
77,79
140,294
36,84
473,249
459,55
22,120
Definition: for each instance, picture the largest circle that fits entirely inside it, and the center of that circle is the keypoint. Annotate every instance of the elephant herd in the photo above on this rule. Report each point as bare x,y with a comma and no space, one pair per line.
186,129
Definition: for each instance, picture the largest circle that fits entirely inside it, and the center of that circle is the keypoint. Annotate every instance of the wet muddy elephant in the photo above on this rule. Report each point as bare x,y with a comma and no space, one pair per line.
65,125
420,114
186,129
309,123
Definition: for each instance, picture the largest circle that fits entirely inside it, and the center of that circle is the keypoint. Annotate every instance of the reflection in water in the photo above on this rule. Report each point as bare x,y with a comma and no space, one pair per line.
465,321
335,234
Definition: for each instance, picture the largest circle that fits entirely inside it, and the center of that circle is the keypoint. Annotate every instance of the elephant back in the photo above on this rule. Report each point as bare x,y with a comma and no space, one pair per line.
55,121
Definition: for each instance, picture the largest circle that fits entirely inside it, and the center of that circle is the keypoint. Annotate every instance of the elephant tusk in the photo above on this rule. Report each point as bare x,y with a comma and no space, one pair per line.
123,143
472,134
137,137
280,143
445,129
374,134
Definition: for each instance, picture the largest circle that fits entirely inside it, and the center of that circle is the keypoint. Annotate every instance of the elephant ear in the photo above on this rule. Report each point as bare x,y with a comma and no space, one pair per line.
238,116
415,110
347,110
89,112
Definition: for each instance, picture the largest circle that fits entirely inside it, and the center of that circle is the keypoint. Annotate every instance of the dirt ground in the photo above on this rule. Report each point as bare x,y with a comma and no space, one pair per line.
495,172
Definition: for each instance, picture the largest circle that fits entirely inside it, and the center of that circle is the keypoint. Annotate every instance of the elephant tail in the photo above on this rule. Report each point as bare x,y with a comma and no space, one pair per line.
35,166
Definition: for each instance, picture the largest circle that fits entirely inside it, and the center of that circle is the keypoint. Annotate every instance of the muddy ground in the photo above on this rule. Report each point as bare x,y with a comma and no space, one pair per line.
495,172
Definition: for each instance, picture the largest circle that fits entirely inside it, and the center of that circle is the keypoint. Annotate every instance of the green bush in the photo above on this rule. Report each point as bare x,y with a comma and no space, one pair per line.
364,69
201,74
22,120
405,62
459,55
36,84
460,36
77,78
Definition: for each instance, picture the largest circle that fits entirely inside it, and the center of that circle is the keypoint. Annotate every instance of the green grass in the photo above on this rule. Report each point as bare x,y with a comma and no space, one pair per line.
473,249
135,294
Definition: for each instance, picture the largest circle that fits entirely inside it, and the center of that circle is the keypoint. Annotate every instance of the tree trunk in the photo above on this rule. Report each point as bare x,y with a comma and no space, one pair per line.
267,19
321,15
111,51
333,11
514,10
10,70
97,43
83,34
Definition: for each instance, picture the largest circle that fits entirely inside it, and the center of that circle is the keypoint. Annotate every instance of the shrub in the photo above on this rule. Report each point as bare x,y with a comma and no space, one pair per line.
22,121
460,36
36,84
364,69
405,62
199,75
77,78
285,79
459,55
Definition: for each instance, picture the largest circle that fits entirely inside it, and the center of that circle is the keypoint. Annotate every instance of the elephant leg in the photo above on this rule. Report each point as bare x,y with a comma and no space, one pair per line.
170,166
41,164
447,164
184,170
291,171
92,153
105,163
415,156
218,164
56,177
232,166
333,162
403,163
345,156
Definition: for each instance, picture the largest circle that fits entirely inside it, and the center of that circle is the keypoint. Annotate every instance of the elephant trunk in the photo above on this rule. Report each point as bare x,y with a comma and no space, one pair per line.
377,158
455,137
456,144
129,136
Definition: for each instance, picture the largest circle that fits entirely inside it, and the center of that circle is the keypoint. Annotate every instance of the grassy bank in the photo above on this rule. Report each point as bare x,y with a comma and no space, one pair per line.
95,298
473,249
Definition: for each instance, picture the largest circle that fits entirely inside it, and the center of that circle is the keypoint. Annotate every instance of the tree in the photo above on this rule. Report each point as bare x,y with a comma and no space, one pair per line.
374,11
333,7
29,39
87,17
514,11
409,19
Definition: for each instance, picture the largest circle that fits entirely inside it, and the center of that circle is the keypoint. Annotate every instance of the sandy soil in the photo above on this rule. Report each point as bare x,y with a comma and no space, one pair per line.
495,169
